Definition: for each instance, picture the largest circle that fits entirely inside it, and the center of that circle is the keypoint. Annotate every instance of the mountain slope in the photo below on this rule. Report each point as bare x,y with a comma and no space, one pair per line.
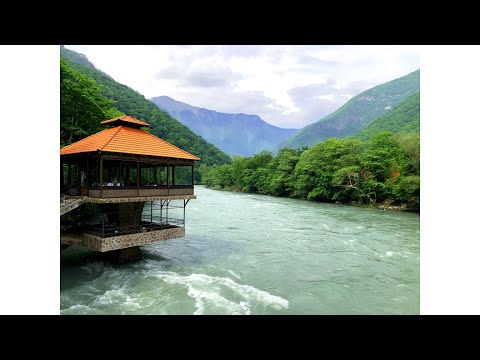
404,118
77,58
358,112
161,123
235,134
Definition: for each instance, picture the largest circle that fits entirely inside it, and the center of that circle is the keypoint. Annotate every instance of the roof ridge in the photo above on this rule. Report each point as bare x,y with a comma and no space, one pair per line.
168,143
116,132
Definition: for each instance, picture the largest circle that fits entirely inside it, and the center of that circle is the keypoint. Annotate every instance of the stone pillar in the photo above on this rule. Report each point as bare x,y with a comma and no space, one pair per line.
130,214
124,255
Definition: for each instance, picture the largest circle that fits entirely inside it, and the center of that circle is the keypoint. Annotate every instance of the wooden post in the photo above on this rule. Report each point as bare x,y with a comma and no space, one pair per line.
173,175
138,177
69,179
62,180
168,179
192,176
101,176
88,172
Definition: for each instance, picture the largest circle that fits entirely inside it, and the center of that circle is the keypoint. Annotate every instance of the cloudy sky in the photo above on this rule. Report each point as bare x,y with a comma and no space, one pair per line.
287,86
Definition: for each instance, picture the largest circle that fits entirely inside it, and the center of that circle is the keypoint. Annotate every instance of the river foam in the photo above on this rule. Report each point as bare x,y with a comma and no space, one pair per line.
222,294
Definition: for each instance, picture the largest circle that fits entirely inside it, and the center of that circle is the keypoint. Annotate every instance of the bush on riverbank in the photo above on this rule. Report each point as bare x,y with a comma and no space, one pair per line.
383,171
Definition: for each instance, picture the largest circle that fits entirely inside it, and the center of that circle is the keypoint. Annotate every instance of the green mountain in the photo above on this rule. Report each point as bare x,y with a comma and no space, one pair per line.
404,118
358,112
75,57
132,103
82,105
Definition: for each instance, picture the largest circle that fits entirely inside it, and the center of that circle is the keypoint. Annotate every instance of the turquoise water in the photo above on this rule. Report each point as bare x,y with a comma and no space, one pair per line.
255,254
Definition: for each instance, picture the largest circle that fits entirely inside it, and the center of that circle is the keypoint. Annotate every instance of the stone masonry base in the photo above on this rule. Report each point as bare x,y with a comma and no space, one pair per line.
127,241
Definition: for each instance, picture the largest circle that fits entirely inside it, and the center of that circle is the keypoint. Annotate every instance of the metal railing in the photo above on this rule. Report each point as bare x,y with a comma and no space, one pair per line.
106,230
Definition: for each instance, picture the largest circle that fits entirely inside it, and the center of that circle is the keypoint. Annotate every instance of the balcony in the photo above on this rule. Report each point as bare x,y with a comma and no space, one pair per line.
131,191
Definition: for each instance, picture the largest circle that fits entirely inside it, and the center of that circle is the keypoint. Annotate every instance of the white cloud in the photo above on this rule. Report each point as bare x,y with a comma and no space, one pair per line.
288,86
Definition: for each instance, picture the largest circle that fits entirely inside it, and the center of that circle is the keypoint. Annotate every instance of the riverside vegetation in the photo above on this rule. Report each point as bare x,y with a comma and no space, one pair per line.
384,170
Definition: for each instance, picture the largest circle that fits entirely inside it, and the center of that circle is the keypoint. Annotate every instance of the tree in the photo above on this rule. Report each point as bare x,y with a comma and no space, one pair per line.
82,107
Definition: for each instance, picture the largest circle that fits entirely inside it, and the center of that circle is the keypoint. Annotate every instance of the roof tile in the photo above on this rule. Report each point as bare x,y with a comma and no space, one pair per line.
127,140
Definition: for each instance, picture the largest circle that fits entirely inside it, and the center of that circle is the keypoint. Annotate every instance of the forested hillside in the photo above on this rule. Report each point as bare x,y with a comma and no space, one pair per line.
358,112
82,106
127,101
404,118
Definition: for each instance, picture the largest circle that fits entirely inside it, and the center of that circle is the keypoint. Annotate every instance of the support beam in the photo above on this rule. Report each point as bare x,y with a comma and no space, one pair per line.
87,179
138,178
161,208
168,179
101,176
192,175
62,179
69,178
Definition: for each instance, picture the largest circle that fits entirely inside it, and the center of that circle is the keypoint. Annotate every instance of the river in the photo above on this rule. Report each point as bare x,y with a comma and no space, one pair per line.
255,254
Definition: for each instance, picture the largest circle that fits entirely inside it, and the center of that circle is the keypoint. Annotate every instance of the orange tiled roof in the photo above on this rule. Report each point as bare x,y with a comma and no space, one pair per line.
127,119
127,140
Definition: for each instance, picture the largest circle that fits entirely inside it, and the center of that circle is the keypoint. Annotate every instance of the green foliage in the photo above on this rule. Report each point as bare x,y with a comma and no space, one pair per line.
407,190
131,102
384,168
82,107
404,118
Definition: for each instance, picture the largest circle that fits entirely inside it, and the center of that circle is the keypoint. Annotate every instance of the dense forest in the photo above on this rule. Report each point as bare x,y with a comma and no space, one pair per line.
89,96
404,118
383,170
82,106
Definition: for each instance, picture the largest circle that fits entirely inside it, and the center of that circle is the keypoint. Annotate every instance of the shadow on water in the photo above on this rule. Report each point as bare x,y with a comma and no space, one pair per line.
80,265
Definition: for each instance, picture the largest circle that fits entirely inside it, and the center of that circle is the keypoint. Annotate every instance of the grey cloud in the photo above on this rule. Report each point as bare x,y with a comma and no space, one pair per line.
200,76
300,94
204,79
242,50
309,61
210,76
171,72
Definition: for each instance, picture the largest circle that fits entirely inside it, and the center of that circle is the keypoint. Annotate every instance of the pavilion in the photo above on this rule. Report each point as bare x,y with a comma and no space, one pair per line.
112,180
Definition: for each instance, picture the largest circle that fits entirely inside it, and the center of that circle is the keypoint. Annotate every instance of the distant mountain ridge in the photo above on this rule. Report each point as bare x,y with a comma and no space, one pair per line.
358,112
234,134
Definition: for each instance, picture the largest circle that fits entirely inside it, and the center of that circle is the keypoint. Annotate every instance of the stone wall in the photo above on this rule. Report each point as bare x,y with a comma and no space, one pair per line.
126,241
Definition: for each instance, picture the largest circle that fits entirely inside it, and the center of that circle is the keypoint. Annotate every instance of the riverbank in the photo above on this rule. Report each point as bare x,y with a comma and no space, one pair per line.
385,205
